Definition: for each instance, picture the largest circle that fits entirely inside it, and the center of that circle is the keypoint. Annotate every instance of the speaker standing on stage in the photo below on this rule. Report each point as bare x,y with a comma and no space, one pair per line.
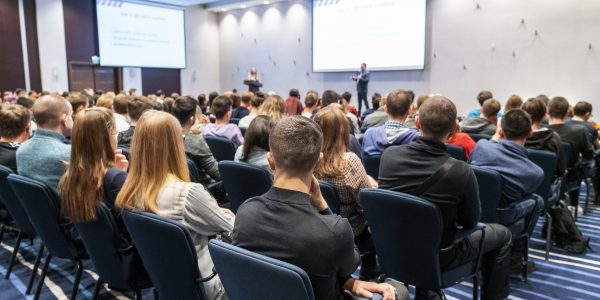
362,86
253,76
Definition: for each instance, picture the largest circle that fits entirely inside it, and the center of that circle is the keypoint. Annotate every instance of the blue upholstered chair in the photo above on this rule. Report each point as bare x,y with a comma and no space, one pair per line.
476,136
371,164
331,196
243,181
457,152
221,148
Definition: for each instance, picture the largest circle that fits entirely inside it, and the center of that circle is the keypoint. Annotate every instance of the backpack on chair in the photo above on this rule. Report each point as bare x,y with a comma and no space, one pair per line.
565,232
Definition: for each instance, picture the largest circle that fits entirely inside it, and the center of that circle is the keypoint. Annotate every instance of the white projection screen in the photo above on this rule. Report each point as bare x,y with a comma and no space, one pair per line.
131,34
384,34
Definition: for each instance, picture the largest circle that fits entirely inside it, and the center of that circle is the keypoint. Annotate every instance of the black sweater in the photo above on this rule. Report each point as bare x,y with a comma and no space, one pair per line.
545,139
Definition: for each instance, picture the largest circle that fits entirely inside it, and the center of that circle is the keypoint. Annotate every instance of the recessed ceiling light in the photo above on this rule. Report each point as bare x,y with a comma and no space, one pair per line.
266,2
243,6
223,9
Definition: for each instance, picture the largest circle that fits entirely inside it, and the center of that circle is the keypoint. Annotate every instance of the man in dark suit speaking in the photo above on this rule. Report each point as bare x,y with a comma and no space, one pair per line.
362,86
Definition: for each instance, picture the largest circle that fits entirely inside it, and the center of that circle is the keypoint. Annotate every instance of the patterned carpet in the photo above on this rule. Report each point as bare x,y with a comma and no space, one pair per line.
564,276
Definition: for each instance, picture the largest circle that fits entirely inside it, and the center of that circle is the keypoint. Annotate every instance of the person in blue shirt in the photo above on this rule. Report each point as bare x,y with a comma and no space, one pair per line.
481,97
393,131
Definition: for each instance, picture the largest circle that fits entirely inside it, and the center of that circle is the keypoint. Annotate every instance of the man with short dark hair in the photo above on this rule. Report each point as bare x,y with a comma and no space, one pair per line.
392,132
293,106
487,120
135,108
582,112
375,99
14,130
481,97
120,107
404,168
362,86
184,109
269,224
78,102
243,110
221,108
576,135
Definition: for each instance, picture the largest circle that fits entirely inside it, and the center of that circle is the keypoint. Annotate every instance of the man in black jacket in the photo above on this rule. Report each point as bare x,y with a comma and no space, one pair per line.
404,168
362,86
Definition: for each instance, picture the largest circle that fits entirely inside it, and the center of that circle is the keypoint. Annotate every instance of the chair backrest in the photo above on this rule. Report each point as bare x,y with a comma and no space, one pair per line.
547,161
371,164
490,193
194,174
246,275
126,151
221,148
13,205
412,255
243,181
569,152
43,208
168,254
476,137
330,194
234,121
102,241
457,152
243,131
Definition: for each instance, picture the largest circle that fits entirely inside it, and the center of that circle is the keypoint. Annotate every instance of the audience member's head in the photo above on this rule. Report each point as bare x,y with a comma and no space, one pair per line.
132,92
78,102
25,102
558,108
582,109
274,107
137,106
221,108
484,95
336,130
257,101
310,101
536,109
489,110
105,101
544,99
257,135
515,125
347,96
20,92
514,101
397,104
211,98
93,142
14,123
420,100
437,118
202,100
329,97
52,112
159,156
160,94
235,99
376,100
295,147
168,104
120,104
247,98
184,109
294,93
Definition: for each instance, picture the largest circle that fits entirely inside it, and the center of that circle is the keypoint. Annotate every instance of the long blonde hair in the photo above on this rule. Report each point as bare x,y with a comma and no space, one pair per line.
80,187
336,132
274,107
156,154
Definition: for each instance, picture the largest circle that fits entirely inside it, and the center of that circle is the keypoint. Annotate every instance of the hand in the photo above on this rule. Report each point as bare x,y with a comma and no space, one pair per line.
497,136
316,199
228,212
366,289
121,162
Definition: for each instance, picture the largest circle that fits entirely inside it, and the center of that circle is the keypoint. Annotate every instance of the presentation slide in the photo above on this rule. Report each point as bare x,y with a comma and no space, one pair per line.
384,34
136,35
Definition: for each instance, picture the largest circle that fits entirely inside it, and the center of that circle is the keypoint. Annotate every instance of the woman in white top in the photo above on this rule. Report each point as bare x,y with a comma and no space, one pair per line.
159,182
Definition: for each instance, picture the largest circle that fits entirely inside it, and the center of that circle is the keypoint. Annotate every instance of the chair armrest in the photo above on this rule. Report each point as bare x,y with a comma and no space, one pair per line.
205,279
463,233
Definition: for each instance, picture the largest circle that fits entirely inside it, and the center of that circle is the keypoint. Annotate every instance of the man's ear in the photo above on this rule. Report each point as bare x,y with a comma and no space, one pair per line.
192,120
271,161
418,122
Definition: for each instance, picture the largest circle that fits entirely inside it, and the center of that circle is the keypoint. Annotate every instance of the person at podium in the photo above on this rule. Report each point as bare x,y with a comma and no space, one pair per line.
253,80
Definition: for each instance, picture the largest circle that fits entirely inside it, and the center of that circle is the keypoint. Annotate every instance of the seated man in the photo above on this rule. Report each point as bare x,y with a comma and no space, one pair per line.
481,97
392,132
576,135
135,107
243,110
404,168
268,224
542,137
375,99
43,157
14,130
184,109
221,108
582,111
377,117
486,122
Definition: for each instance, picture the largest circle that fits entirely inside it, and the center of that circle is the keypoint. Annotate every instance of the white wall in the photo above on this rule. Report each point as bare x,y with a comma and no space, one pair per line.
52,47
132,79
468,49
202,48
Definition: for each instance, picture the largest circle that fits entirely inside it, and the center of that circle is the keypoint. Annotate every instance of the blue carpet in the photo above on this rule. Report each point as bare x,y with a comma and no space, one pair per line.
564,276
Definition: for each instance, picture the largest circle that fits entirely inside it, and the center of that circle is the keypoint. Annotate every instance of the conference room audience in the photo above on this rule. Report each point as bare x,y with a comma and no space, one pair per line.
255,104
310,104
481,97
14,130
268,224
43,156
542,137
221,108
256,143
120,112
405,168
96,171
582,111
168,192
514,101
375,99
293,106
243,110
486,122
194,145
376,118
344,170
393,131
135,108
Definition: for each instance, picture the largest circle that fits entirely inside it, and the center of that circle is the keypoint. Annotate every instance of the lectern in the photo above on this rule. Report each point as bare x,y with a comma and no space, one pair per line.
253,85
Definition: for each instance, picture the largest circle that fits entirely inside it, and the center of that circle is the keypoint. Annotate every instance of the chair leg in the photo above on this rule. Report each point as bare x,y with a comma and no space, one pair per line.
525,258
97,289
138,294
588,185
548,234
38,290
14,255
35,267
155,294
475,287
2,227
77,279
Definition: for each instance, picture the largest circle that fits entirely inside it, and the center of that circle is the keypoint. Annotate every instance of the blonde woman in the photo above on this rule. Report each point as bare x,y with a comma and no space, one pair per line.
274,107
159,183
345,171
96,171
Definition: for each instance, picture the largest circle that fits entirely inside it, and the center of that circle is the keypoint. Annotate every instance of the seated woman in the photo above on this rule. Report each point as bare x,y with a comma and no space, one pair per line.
345,171
96,170
159,183
256,143
255,104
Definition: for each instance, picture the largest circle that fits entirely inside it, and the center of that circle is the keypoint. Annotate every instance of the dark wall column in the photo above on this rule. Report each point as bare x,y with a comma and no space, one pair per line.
12,75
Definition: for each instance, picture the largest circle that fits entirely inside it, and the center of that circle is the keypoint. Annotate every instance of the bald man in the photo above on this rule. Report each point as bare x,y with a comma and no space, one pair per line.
43,157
